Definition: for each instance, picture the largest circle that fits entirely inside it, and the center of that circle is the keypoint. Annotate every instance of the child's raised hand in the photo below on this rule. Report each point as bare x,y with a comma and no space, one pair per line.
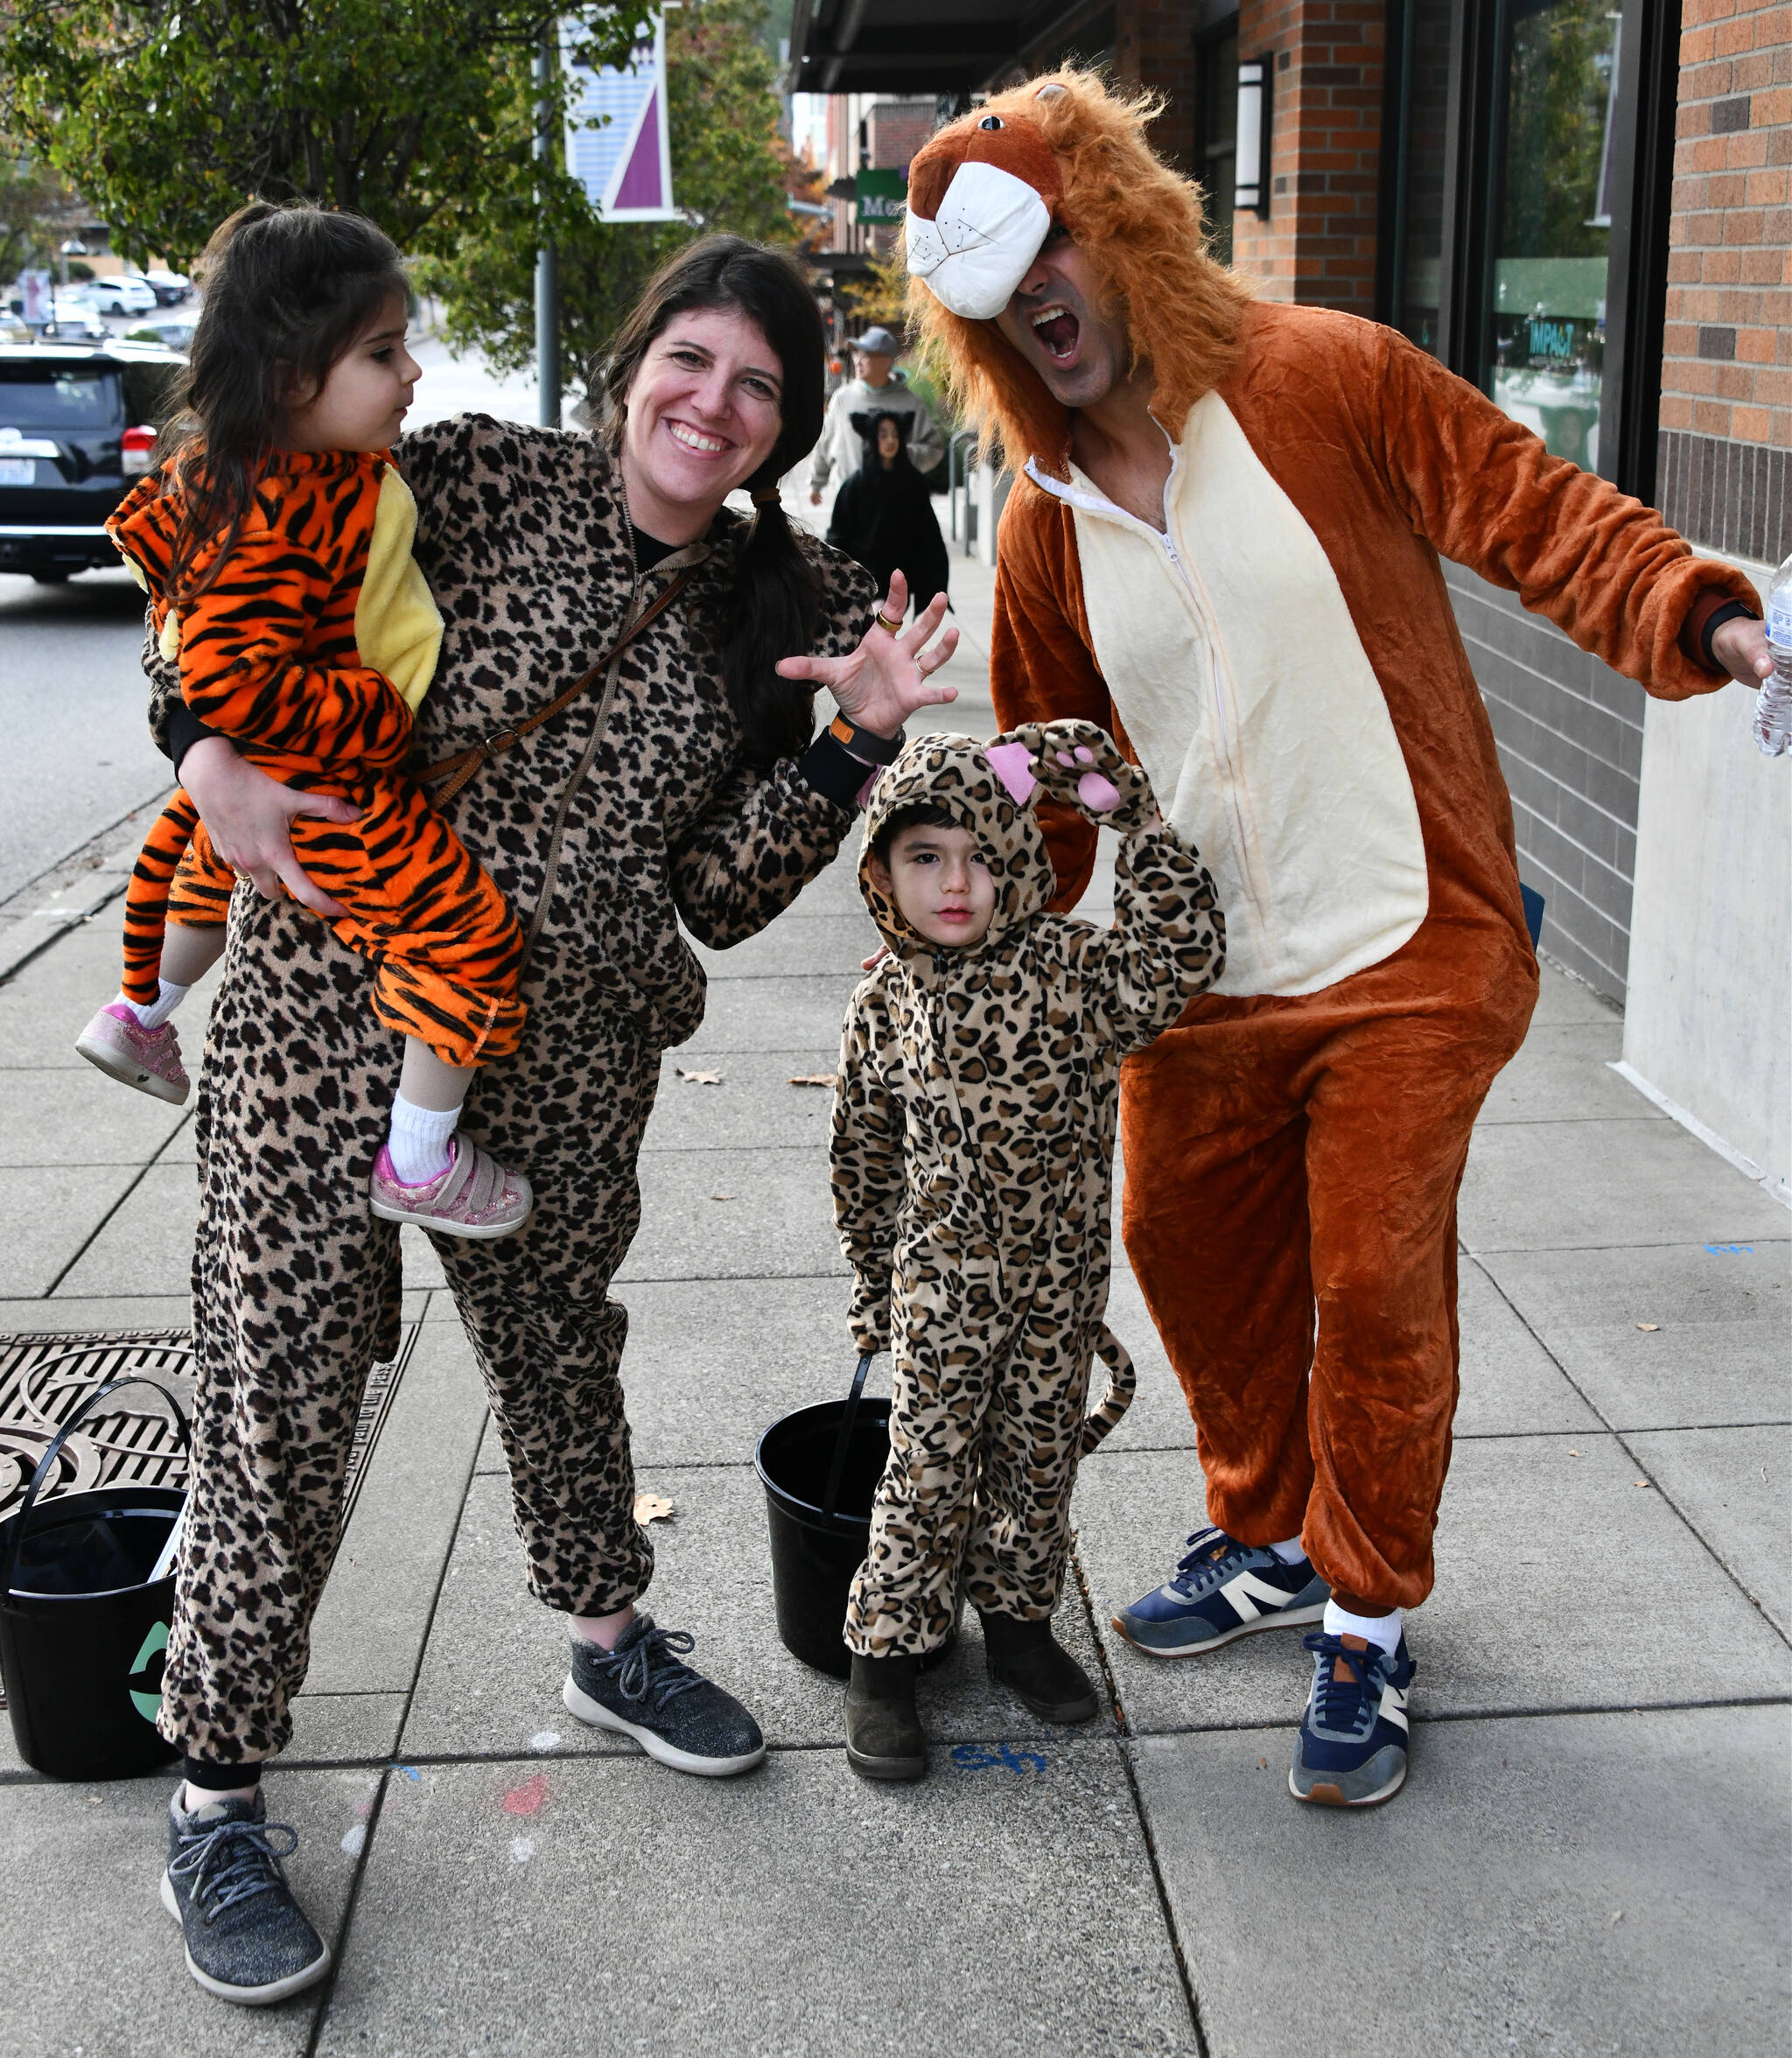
1079,765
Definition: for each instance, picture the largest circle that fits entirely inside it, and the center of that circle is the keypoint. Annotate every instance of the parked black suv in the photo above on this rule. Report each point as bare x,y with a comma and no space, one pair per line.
76,429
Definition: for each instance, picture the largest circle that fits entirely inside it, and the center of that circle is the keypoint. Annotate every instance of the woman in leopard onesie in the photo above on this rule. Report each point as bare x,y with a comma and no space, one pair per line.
682,785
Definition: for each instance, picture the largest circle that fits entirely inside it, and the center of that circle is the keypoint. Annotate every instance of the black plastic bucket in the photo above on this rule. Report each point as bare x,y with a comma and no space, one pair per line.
814,1553
82,1627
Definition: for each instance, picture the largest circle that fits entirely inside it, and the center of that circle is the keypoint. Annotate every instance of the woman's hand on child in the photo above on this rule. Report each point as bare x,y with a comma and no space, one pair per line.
250,817
882,684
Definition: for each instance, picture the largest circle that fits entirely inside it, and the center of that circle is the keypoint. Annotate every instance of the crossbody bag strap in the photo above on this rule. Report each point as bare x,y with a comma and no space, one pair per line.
456,770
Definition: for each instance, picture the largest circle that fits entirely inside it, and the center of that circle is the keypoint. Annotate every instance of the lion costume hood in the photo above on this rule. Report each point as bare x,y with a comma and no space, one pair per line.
983,196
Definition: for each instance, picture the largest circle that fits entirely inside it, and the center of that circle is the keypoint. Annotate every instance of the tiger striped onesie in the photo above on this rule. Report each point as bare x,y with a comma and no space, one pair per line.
311,650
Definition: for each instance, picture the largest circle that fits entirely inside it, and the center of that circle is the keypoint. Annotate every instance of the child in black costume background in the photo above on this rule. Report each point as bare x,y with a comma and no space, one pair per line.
883,514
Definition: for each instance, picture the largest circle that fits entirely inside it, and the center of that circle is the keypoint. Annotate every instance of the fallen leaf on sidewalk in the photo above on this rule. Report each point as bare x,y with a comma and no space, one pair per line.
813,1079
1648,1325
721,1196
651,1508
699,1078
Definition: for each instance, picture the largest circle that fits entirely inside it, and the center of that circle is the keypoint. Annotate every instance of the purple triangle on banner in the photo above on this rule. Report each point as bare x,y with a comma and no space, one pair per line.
641,183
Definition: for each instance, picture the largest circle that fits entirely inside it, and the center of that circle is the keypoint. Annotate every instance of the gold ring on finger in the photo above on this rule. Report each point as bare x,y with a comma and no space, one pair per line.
885,622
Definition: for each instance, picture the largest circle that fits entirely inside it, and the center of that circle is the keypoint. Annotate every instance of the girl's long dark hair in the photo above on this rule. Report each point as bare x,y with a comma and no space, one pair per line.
288,289
772,609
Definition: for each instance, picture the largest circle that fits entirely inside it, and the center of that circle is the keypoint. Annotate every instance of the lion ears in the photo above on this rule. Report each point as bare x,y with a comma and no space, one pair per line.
1013,764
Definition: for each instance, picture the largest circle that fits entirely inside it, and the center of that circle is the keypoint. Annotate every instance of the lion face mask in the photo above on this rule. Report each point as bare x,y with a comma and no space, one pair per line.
980,205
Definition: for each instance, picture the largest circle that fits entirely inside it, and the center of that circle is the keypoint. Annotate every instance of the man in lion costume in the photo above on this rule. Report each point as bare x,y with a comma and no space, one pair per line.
1223,547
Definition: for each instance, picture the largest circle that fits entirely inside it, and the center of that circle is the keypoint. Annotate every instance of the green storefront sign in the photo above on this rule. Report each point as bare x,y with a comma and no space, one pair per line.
882,196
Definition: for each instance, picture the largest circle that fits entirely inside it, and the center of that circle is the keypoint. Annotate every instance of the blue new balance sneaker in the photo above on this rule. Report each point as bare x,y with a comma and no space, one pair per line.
1351,1749
1223,1589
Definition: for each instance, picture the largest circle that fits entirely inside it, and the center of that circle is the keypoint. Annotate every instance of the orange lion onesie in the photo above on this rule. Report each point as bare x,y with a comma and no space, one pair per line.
1275,647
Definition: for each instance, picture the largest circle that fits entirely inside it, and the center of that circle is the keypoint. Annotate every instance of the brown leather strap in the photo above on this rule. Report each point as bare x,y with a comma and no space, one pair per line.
461,767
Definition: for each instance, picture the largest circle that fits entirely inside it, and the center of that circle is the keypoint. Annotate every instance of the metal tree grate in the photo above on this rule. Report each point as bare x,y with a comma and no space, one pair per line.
44,1378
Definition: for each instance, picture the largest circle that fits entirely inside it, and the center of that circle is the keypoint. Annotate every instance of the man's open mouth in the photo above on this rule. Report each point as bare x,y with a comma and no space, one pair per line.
1057,329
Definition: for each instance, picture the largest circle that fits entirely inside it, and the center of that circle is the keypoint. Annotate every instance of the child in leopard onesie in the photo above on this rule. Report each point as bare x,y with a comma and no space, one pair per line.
973,1146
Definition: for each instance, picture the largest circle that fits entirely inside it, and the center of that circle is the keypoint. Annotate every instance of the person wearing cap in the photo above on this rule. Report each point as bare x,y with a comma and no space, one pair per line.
871,390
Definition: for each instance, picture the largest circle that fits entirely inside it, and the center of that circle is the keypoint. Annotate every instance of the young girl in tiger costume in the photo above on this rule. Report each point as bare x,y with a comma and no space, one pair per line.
276,545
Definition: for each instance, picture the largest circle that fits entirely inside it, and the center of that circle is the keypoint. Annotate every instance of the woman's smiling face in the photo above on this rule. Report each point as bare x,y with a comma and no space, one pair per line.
704,413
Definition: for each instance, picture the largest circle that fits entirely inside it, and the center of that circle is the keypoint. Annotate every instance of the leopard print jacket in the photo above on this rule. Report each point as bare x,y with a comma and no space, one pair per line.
524,539
973,1114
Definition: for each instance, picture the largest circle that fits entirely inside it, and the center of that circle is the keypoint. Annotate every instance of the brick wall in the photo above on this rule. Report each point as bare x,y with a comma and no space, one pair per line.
1154,46
1570,733
1727,373
1318,245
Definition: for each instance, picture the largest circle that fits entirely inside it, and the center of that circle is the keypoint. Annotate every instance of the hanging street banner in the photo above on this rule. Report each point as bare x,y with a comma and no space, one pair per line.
625,164
883,197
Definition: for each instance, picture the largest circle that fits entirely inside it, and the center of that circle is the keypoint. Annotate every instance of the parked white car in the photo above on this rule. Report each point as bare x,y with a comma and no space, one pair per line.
120,295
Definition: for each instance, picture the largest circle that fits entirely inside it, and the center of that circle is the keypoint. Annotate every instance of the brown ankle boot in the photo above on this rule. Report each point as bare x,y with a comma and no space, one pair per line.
884,1739
1036,1669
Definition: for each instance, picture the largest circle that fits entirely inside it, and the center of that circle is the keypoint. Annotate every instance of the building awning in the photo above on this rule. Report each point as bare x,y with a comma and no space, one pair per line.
911,48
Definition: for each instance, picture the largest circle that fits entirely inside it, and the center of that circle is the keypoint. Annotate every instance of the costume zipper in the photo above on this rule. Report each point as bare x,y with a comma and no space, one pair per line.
1233,776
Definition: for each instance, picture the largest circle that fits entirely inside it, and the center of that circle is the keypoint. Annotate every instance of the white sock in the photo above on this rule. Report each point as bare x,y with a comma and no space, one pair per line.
1381,1629
1292,1552
418,1140
159,1009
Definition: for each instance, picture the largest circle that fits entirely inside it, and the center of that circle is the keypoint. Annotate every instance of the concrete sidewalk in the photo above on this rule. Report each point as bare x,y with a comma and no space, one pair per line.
1591,1855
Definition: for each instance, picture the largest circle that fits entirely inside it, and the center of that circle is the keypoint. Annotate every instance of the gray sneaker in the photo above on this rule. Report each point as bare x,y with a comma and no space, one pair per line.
247,1938
644,1690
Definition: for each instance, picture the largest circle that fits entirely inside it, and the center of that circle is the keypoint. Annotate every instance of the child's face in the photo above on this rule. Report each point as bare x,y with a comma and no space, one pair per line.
362,401
939,881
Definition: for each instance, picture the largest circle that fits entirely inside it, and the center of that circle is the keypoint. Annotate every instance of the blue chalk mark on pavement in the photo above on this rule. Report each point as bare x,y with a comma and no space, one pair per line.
985,1758
1731,1250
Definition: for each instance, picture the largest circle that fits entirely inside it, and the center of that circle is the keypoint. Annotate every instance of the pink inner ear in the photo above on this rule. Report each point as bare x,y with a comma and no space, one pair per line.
1099,794
1013,764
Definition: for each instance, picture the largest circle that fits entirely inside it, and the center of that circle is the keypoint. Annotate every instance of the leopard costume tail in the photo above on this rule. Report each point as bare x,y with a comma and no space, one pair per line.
1123,1382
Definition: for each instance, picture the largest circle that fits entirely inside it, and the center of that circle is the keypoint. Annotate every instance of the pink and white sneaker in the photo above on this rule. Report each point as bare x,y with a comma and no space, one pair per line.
473,1195
147,1058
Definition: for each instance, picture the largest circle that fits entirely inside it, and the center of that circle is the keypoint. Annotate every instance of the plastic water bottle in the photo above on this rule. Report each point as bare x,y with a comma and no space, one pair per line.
1773,711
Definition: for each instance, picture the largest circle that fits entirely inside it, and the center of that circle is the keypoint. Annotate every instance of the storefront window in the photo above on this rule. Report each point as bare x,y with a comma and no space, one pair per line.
1543,358
1217,145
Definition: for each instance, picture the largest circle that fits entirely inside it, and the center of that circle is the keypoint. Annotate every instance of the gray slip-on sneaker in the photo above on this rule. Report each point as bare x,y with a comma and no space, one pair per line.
643,1689
248,1940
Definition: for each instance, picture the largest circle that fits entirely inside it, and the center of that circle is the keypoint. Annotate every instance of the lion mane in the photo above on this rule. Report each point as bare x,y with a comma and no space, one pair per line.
1141,226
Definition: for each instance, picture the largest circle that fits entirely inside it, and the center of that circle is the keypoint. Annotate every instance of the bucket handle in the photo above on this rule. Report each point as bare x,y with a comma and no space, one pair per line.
46,1463
836,1472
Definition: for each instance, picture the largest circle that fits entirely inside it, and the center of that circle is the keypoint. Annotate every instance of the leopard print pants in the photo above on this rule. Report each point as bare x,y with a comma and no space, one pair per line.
984,1438
295,1296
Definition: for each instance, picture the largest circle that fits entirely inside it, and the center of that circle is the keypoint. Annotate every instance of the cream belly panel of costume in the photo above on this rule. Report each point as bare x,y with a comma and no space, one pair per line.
1233,664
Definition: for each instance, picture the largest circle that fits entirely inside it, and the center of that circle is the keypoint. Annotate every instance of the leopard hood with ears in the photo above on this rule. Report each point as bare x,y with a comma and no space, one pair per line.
988,790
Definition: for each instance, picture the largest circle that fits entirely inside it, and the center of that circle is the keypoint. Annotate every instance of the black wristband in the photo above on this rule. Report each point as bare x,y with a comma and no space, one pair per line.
185,728
1731,610
833,771
870,749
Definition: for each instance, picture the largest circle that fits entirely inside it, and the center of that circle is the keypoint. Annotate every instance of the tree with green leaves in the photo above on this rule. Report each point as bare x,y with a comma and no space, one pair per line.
34,206
730,170
169,114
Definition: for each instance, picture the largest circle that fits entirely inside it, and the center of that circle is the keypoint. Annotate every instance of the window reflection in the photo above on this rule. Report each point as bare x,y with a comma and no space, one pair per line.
1544,357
